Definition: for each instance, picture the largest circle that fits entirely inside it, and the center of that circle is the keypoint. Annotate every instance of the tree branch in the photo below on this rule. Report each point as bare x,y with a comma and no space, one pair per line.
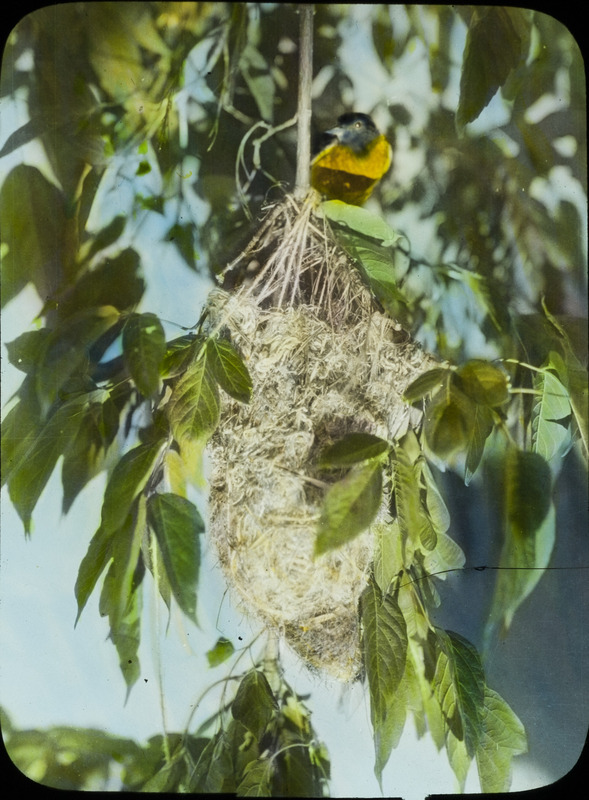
304,99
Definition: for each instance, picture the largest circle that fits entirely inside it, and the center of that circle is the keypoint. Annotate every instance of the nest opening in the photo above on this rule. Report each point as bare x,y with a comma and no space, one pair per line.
324,361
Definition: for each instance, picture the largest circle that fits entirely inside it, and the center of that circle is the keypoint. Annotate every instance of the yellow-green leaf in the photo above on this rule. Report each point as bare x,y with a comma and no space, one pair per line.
483,382
502,737
193,409
352,449
384,648
222,650
349,506
426,383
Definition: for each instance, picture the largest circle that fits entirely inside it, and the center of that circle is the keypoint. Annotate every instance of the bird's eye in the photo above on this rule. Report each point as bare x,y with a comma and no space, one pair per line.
358,124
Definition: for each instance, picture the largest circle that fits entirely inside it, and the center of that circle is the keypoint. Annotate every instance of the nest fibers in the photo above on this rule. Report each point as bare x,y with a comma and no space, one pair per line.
324,362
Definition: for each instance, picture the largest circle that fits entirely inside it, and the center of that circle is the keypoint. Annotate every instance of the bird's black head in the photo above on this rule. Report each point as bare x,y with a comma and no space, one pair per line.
354,130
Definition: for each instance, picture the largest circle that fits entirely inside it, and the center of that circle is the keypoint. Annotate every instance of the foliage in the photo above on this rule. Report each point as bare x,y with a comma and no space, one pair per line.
187,108
264,746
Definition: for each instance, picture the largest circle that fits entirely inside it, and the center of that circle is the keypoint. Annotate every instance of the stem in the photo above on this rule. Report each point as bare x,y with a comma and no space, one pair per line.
304,99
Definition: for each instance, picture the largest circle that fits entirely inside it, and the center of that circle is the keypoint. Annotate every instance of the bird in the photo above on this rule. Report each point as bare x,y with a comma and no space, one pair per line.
350,159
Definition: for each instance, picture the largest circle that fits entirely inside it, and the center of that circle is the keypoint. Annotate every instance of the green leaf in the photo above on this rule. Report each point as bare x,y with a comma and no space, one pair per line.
573,375
446,556
384,647
437,510
34,227
388,561
503,736
458,758
113,282
86,454
193,409
213,767
496,41
482,425
179,353
257,777
551,407
483,382
528,534
220,652
105,237
414,519
177,524
363,222
92,566
126,637
34,463
449,422
528,487
20,428
144,347
469,685
120,598
381,268
183,238
524,560
254,705
349,506
352,449
66,350
128,479
426,383
23,352
229,370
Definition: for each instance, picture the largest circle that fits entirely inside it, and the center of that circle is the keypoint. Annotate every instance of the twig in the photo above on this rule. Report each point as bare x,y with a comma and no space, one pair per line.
304,99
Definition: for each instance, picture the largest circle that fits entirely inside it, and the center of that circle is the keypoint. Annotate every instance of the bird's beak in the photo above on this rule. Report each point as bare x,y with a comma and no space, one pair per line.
337,132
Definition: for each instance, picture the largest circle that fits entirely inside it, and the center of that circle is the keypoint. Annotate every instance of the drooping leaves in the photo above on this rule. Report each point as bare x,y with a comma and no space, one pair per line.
86,454
254,704
384,647
177,526
120,599
127,480
380,252
411,493
193,409
229,370
496,41
502,737
66,350
34,226
34,458
144,347
528,534
468,682
349,506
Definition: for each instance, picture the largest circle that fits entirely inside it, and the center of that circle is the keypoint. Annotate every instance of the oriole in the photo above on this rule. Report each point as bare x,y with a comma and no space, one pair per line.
350,159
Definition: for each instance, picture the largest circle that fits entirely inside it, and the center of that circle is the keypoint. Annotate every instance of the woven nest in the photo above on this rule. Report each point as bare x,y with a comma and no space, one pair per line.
324,362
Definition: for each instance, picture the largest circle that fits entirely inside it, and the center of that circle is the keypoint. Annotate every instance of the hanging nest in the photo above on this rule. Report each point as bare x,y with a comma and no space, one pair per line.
324,362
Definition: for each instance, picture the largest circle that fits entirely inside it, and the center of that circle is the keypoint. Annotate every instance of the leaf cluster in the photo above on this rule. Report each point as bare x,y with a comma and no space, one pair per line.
264,747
